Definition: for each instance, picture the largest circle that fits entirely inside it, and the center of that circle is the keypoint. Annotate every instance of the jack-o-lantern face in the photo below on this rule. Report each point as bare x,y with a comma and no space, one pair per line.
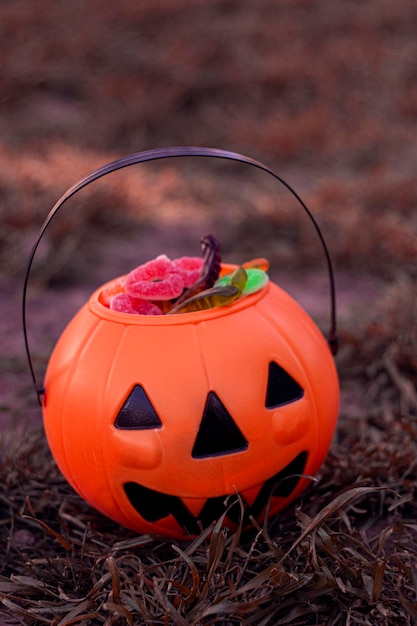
218,435
156,421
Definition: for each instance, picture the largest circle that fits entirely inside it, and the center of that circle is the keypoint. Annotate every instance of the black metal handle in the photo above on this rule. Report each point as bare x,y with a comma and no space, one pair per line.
164,153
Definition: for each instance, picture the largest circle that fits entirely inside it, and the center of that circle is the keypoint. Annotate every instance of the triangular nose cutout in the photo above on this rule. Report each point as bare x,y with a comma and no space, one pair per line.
218,433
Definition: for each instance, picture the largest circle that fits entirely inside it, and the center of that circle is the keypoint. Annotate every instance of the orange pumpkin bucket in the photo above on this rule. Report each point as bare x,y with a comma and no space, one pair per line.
159,421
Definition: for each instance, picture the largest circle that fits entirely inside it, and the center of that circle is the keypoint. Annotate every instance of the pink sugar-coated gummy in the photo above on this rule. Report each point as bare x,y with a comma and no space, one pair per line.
158,279
190,268
123,303
116,286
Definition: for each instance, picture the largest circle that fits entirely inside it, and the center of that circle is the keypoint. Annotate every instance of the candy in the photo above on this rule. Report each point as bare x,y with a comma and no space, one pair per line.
256,279
239,279
210,270
165,287
208,299
123,303
159,279
260,264
210,247
190,268
115,287
217,296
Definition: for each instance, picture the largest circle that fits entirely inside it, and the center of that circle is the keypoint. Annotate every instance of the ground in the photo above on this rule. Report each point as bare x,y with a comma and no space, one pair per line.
324,93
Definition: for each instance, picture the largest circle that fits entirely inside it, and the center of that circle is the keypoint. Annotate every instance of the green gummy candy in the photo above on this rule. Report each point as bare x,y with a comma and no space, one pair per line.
256,280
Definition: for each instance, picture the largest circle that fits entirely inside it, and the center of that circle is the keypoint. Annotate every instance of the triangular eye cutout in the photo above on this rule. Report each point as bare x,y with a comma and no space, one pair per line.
282,388
218,432
137,413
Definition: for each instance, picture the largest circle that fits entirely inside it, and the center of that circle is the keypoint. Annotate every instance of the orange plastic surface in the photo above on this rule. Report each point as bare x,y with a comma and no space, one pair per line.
179,360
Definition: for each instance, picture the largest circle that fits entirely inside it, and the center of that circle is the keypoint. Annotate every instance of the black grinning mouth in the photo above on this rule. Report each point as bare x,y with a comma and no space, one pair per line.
153,505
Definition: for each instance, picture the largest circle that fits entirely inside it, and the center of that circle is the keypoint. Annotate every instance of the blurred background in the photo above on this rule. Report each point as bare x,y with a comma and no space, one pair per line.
324,92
